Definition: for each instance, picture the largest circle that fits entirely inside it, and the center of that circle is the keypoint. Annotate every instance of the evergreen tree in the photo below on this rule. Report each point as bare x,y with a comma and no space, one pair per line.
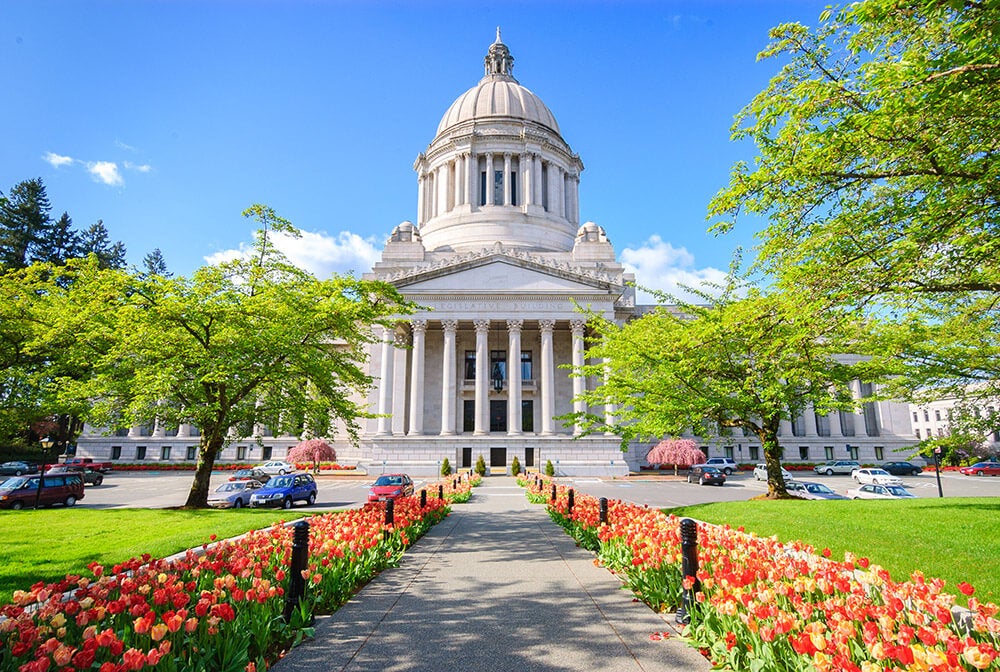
60,244
96,240
24,223
155,264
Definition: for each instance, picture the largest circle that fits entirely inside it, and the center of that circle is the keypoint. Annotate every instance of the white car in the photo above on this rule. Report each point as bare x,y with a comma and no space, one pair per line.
810,490
876,477
726,465
277,467
233,494
760,473
871,491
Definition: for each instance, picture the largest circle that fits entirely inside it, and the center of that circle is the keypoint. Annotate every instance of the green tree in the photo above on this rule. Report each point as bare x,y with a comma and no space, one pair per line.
154,264
24,223
878,173
251,341
97,240
60,244
743,361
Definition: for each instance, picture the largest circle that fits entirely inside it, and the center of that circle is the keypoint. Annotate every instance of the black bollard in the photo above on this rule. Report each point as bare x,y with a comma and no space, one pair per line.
553,492
389,505
300,560
569,508
454,484
603,501
689,567
423,498
440,491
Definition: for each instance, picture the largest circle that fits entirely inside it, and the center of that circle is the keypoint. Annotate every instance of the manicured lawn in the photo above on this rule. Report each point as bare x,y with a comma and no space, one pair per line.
48,544
955,539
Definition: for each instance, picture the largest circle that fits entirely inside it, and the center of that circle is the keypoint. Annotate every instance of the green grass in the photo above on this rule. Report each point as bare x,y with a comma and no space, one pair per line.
48,544
953,539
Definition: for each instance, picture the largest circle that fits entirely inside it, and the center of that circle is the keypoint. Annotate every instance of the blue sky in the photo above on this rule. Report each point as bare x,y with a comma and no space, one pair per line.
166,118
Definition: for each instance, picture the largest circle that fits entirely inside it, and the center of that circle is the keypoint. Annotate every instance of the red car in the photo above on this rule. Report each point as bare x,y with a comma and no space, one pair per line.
982,469
390,486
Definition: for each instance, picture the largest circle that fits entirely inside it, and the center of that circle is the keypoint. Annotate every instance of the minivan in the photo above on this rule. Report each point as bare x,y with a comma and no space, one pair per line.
21,492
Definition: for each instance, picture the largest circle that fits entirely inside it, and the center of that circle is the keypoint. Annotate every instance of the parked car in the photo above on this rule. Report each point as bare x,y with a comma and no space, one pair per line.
18,468
20,492
234,494
760,473
989,468
706,474
90,476
726,465
811,490
876,477
390,486
284,490
902,468
872,491
103,467
277,467
254,474
837,467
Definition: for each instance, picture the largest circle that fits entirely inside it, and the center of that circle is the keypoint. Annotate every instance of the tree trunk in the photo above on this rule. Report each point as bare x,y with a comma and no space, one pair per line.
768,435
211,445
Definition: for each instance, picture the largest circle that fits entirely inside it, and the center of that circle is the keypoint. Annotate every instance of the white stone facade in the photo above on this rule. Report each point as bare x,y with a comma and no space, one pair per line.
498,260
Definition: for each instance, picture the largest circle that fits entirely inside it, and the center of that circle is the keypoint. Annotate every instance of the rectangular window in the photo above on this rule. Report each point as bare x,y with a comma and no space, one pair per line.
545,187
498,457
803,452
828,452
116,452
937,414
498,187
191,453
241,452
467,457
798,427
482,188
470,364
498,365
527,415
917,432
879,453
822,424
194,431
140,452
513,188
526,372
146,430
915,419
267,451
852,452
754,453
529,457
121,432
164,452
498,415
927,418
469,415
728,451
170,431
871,418
846,423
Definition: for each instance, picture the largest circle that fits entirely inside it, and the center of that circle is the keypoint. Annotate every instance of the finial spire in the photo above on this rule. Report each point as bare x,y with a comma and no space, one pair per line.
498,60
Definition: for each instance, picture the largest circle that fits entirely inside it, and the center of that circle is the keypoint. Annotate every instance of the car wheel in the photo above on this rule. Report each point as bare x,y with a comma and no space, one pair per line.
979,473
71,501
829,472
287,504
98,481
727,471
281,472
238,504
17,473
701,481
17,506
312,498
914,473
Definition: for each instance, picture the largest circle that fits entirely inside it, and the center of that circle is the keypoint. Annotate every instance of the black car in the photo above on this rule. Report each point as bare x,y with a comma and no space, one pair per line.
89,476
704,474
901,468
17,468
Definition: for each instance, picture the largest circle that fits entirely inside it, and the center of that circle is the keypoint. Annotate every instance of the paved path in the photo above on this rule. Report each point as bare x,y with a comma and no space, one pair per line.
495,586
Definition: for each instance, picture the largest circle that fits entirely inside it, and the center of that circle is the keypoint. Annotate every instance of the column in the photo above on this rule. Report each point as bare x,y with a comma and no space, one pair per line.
442,189
421,185
810,419
399,368
560,192
835,428
471,175
609,408
536,179
460,180
860,428
574,199
785,429
526,167
158,432
417,379
482,376
489,179
448,399
506,178
183,430
385,383
514,376
579,406
548,376
430,205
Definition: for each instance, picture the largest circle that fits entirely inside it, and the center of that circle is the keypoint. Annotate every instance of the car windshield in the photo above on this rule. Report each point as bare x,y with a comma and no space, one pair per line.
389,480
878,472
898,491
243,472
279,482
710,470
232,487
818,489
13,483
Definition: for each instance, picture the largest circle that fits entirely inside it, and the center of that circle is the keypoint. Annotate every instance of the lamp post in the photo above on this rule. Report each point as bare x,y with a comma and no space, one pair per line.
46,443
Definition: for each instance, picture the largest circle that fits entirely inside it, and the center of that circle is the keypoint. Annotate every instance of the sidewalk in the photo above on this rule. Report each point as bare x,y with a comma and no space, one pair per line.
495,586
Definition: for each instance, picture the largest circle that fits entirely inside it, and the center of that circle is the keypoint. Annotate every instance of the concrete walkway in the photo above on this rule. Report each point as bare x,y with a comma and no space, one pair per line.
495,586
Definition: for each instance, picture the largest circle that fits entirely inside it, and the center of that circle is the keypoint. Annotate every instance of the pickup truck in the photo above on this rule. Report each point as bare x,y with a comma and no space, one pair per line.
103,467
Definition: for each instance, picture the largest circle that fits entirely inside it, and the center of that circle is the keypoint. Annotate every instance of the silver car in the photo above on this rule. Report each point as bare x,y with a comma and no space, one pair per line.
233,494
837,467
876,477
811,490
870,491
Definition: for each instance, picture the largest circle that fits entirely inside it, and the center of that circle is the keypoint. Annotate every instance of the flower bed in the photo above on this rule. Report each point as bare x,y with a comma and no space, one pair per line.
215,611
759,604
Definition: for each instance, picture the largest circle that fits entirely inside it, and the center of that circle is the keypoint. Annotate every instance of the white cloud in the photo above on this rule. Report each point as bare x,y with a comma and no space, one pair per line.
106,172
143,168
319,253
659,265
57,160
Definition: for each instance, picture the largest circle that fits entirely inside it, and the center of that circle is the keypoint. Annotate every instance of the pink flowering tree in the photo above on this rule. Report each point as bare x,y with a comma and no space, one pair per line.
683,452
312,450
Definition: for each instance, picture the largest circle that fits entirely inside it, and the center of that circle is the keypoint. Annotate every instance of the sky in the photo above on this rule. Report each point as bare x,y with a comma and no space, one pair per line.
166,119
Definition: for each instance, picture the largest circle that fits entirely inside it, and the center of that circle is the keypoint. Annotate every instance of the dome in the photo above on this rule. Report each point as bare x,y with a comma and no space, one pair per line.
498,94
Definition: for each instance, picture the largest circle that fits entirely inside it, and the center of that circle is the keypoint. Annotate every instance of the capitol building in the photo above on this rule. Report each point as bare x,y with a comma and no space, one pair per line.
498,258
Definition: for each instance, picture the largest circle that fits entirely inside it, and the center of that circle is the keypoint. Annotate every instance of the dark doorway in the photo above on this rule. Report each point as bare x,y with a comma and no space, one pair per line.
467,457
498,457
498,415
469,415
529,457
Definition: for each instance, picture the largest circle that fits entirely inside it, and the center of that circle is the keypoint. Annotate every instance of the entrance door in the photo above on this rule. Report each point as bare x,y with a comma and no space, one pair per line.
498,415
498,457
467,457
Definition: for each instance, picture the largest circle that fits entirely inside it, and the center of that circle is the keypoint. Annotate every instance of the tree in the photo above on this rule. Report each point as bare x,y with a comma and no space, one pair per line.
155,264
744,361
24,223
96,240
60,244
312,450
247,342
879,176
684,452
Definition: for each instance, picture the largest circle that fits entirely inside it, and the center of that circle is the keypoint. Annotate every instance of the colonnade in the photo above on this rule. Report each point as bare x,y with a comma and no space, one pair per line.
395,365
526,179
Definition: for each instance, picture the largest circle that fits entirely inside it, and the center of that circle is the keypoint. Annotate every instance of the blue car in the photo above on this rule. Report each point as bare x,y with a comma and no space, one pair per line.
284,490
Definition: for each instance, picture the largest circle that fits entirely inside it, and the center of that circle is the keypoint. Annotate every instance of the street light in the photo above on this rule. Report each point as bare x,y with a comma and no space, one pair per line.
47,443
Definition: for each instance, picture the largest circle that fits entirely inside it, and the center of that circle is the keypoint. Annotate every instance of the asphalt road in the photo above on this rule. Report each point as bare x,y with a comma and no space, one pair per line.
169,489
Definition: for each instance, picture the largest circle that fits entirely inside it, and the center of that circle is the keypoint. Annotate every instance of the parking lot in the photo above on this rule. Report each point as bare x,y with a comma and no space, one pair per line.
169,489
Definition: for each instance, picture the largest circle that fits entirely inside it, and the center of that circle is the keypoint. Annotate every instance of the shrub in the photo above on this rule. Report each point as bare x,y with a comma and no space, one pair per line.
481,466
446,467
515,466
549,469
